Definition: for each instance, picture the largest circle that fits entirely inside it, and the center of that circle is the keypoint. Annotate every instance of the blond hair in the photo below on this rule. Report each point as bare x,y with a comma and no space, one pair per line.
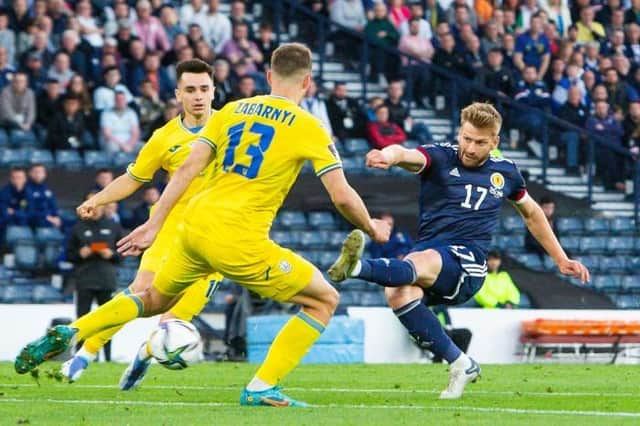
291,60
482,115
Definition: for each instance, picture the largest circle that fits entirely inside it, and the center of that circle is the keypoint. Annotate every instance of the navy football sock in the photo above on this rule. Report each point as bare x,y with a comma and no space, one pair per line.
388,272
426,330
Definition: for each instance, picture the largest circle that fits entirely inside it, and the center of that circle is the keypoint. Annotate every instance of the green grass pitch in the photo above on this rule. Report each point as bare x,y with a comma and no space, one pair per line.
390,395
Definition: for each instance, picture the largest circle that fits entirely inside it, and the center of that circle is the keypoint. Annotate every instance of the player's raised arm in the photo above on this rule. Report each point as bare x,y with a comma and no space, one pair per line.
539,226
119,189
396,155
351,206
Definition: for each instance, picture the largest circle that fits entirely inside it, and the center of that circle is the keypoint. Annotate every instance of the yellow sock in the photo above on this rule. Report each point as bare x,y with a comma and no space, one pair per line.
193,300
289,347
94,343
116,312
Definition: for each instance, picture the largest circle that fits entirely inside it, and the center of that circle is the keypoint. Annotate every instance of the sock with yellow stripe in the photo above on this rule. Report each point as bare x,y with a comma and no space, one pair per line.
287,350
116,312
94,343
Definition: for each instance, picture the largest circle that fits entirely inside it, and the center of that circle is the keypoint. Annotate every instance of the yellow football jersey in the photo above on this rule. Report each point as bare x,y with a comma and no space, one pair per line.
261,144
167,149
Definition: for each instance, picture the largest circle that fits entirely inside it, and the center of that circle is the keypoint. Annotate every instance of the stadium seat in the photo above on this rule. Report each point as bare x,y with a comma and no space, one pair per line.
123,159
571,244
591,262
310,255
614,264
531,261
335,239
353,165
631,284
622,226
97,159
356,147
17,294
322,221
372,298
314,239
14,158
52,254
325,259
26,255
525,301
15,234
607,283
628,301
633,265
48,235
411,144
596,226
69,218
69,159
513,225
569,226
41,156
550,264
348,298
293,220
286,239
593,245
307,168
510,242
620,245
46,294
356,284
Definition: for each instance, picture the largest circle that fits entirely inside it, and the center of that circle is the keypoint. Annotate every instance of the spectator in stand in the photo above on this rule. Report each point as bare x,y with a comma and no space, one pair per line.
238,15
615,44
509,23
6,70
610,165
150,196
103,178
171,111
548,206
78,87
19,16
149,28
434,13
218,27
40,45
532,48
532,92
79,53
588,29
224,89
150,107
7,38
125,37
371,107
134,65
456,8
169,21
194,11
119,127
474,56
104,96
13,200
382,132
498,289
424,28
398,246
527,9
605,14
240,47
575,112
61,69
266,43
448,57
399,13
572,79
89,27
399,114
620,93
616,23
632,15
153,73
316,106
42,207
381,30
491,38
48,103
631,126
350,14
495,76
18,111
246,88
68,128
417,46
344,113
195,34
559,14
555,43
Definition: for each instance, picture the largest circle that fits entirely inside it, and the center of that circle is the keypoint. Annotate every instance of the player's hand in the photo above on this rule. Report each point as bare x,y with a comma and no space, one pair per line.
574,269
86,210
381,231
138,240
378,160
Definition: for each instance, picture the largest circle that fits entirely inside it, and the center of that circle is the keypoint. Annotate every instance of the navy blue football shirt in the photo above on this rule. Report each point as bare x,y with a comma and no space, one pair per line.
460,205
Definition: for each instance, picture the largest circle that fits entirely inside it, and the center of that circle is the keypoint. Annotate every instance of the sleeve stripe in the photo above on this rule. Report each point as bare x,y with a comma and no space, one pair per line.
427,160
134,177
521,197
328,169
208,142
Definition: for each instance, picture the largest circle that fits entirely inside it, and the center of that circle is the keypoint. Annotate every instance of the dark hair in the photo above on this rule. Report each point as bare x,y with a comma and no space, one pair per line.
415,19
547,200
34,165
291,60
195,66
103,170
495,254
109,69
17,169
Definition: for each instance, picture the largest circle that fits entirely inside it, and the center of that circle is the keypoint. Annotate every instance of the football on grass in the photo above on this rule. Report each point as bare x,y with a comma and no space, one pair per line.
176,344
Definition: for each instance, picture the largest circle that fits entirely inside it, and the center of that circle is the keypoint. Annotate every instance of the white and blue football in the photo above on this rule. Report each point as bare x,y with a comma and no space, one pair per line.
176,344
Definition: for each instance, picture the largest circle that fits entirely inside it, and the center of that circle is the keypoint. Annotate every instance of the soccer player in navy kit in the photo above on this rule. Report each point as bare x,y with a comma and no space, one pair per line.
462,189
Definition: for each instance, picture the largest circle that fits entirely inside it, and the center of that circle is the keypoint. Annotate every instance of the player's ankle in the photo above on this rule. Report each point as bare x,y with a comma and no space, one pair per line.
258,385
87,354
462,362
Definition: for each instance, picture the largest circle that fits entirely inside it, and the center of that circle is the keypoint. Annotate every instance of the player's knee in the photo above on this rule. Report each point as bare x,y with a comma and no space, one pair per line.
397,297
154,302
332,299
428,264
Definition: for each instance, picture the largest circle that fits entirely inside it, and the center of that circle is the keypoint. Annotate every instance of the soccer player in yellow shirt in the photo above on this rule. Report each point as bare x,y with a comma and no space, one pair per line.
260,145
167,149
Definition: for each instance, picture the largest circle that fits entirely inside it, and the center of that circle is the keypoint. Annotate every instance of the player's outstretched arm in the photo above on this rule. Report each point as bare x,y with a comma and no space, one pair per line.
351,206
144,235
396,155
539,226
119,189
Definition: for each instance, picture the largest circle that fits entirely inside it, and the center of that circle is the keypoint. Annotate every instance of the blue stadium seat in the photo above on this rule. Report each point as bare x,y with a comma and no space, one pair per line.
46,294
356,147
633,265
353,165
606,283
123,159
17,294
622,226
335,239
614,264
326,259
314,239
411,144
569,226
48,235
310,255
531,261
596,226
322,221
628,301
18,233
356,284
26,255
550,264
348,298
69,218
69,159
525,301
571,244
593,245
292,220
631,284
591,262
372,298
97,159
513,225
14,158
41,156
52,254
286,238
510,242
620,245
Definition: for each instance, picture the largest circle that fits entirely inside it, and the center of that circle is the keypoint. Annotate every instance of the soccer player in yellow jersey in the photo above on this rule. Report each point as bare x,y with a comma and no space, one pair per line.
260,145
167,149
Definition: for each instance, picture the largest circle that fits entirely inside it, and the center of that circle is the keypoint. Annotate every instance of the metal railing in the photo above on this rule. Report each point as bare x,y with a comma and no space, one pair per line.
321,30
